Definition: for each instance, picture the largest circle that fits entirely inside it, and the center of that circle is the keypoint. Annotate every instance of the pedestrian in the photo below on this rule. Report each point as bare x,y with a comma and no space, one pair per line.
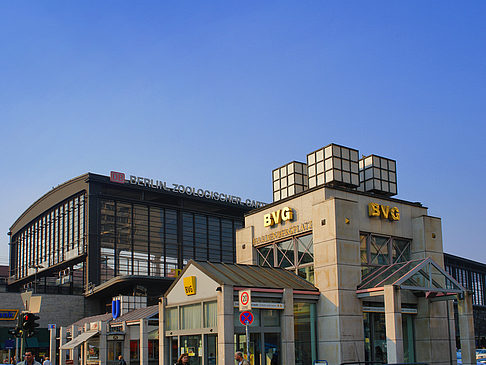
241,360
121,360
183,359
46,361
29,359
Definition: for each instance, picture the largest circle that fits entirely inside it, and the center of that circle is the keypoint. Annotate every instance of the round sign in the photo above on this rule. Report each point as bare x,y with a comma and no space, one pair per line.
244,298
246,318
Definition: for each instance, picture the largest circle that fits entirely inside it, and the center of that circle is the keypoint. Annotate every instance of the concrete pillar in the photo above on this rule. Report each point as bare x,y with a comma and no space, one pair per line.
62,341
163,350
466,328
143,341
288,338
82,348
226,330
337,268
393,323
52,346
103,342
126,343
75,351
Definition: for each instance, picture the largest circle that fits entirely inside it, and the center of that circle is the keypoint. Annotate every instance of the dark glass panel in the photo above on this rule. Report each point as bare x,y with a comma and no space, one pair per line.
187,235
157,241
214,239
107,239
228,254
140,240
201,235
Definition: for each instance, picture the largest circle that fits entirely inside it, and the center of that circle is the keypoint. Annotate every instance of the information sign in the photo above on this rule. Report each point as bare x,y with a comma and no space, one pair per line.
246,318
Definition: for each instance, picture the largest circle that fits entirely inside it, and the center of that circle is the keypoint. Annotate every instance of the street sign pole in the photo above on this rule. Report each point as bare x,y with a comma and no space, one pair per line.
247,341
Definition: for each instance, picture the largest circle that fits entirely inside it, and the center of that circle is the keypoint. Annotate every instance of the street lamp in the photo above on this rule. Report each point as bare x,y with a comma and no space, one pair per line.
36,267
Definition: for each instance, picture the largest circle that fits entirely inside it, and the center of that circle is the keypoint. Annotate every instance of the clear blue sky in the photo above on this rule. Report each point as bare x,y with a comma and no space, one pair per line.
219,93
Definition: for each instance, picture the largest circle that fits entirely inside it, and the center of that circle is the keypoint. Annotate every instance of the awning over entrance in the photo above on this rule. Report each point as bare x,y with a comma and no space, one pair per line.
423,275
78,340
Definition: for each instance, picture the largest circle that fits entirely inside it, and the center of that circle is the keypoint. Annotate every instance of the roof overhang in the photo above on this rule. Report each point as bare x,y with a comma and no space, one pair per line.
423,277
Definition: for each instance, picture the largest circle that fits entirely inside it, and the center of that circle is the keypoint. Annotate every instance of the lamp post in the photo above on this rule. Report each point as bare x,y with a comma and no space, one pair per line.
36,267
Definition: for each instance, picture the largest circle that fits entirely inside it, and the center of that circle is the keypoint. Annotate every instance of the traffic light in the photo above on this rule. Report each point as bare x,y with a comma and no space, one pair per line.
15,332
29,324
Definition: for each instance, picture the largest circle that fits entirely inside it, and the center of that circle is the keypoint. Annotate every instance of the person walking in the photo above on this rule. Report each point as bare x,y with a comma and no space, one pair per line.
183,359
47,361
121,360
29,359
241,360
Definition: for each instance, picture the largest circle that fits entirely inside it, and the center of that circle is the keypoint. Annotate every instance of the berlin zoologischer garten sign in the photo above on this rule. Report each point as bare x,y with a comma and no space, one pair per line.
119,177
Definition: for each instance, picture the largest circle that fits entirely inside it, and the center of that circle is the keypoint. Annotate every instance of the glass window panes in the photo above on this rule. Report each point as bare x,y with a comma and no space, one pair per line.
270,317
379,250
210,314
285,254
191,316
171,318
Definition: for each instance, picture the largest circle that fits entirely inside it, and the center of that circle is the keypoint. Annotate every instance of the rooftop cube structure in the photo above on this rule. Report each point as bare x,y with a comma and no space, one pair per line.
333,165
289,179
378,175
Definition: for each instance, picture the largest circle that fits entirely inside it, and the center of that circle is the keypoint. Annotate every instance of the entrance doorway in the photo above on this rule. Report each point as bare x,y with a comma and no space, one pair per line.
192,345
375,337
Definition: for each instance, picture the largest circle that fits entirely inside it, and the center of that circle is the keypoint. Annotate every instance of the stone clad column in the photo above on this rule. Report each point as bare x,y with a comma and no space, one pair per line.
337,268
143,341
163,351
466,328
62,341
52,346
103,341
288,338
226,330
75,351
393,323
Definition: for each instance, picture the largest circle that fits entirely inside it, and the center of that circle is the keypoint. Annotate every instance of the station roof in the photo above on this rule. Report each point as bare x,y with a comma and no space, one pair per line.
137,314
252,276
423,275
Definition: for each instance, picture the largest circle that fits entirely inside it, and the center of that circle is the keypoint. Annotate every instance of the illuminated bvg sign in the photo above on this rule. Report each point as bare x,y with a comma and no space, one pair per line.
383,211
281,215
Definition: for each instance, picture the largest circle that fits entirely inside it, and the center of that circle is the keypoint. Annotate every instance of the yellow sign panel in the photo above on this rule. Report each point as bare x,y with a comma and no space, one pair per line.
190,285
281,215
383,211
8,314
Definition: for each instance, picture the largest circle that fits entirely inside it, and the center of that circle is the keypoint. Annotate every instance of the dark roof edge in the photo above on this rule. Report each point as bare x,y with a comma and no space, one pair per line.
469,261
49,193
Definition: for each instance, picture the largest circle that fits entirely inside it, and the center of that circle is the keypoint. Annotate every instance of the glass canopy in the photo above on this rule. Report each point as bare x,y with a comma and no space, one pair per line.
417,275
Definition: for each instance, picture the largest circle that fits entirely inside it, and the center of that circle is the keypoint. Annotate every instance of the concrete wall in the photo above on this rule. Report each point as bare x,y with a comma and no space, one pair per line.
63,310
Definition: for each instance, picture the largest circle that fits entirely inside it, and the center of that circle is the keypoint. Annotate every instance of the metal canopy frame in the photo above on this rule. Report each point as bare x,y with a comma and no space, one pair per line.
423,275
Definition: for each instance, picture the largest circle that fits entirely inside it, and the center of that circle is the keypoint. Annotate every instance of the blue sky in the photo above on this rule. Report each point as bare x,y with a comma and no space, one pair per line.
217,94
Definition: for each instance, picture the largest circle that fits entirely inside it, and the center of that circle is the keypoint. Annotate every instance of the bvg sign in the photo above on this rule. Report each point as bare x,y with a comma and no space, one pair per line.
383,211
281,215
190,285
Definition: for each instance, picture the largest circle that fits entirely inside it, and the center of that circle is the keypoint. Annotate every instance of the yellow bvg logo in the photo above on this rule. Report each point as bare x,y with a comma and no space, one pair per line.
190,285
285,214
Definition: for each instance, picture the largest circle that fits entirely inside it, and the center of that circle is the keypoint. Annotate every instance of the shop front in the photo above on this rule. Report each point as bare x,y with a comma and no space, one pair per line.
201,316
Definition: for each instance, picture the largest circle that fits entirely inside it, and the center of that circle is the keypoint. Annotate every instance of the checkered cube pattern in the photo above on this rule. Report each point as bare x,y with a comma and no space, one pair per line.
288,180
378,174
333,165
